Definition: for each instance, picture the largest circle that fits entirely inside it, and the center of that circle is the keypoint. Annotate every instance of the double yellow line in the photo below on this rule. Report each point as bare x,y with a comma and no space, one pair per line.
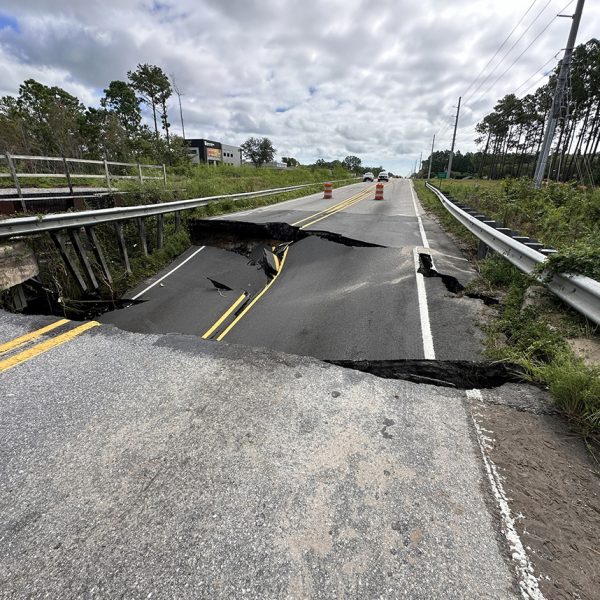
310,220
39,348
327,212
223,318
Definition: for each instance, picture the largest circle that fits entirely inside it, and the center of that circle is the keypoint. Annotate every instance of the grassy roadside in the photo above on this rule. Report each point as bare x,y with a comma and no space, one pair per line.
531,326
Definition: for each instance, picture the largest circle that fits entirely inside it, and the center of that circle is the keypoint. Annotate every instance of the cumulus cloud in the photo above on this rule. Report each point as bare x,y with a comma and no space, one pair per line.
321,79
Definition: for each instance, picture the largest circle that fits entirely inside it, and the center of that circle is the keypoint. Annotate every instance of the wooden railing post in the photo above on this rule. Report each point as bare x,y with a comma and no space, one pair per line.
164,174
68,175
142,231
122,245
141,177
107,174
13,174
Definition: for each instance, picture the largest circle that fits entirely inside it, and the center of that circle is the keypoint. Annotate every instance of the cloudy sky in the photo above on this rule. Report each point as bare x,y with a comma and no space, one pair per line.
328,78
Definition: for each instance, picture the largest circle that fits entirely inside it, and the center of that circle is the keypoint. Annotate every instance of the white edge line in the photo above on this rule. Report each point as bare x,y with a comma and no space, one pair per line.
428,350
421,228
169,273
528,582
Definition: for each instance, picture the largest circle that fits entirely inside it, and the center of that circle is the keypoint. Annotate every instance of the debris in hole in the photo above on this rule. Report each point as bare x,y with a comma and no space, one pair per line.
270,262
461,374
451,283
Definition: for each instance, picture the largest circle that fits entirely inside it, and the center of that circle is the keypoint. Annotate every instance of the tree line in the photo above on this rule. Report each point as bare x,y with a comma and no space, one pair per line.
47,120
511,135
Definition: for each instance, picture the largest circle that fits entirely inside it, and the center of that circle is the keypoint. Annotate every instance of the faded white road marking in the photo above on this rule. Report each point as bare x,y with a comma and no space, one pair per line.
528,582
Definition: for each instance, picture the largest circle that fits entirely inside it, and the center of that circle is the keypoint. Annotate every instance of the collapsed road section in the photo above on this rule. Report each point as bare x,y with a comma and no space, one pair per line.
312,293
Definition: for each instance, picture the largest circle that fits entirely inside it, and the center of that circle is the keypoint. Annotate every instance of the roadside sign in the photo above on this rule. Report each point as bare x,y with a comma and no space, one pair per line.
442,175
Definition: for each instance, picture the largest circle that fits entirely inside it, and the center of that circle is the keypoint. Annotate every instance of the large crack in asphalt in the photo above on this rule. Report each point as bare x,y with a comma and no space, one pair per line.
243,237
451,283
462,374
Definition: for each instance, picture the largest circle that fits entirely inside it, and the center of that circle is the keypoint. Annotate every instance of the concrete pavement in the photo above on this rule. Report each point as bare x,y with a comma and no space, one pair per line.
166,466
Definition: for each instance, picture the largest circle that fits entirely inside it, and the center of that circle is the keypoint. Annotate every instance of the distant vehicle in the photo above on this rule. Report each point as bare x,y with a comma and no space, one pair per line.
368,177
383,176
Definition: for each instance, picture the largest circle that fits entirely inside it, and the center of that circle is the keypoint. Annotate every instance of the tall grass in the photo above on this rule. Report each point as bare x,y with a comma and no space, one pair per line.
564,216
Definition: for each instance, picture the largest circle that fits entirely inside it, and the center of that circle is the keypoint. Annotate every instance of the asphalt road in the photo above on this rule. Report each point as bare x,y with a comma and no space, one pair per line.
330,300
143,464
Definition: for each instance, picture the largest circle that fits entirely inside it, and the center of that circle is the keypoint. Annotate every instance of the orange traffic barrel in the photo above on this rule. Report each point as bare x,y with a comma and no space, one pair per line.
379,191
327,191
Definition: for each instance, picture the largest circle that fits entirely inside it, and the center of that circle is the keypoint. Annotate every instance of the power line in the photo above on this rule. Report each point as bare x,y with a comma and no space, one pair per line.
533,85
500,48
514,62
510,50
536,72
473,129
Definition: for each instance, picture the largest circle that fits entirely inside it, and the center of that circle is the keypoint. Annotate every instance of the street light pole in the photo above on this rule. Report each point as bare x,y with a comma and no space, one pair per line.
561,82
179,94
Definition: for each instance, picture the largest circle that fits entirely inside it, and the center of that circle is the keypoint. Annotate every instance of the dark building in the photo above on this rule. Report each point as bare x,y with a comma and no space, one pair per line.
213,153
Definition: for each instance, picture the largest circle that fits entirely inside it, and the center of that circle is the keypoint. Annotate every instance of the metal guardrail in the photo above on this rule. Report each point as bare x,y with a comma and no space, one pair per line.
22,226
580,292
75,252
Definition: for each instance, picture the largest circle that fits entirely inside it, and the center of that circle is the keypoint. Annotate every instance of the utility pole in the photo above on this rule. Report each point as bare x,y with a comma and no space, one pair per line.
179,94
565,65
420,161
430,158
453,140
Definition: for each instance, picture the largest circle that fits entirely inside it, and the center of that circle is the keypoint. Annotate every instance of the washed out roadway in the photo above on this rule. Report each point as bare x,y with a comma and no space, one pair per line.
331,301
143,464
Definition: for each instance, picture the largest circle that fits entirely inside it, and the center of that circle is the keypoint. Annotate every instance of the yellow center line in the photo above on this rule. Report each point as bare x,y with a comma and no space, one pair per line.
329,209
224,316
26,355
333,212
333,207
256,298
31,336
325,213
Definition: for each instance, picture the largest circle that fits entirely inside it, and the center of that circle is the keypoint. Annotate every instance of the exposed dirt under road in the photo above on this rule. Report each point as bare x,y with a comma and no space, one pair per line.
553,486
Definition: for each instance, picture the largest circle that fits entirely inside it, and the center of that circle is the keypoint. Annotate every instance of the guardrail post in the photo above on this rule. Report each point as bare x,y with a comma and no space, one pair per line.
482,250
160,231
59,242
177,221
164,174
99,255
13,174
107,174
83,258
122,245
142,230
140,176
68,175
